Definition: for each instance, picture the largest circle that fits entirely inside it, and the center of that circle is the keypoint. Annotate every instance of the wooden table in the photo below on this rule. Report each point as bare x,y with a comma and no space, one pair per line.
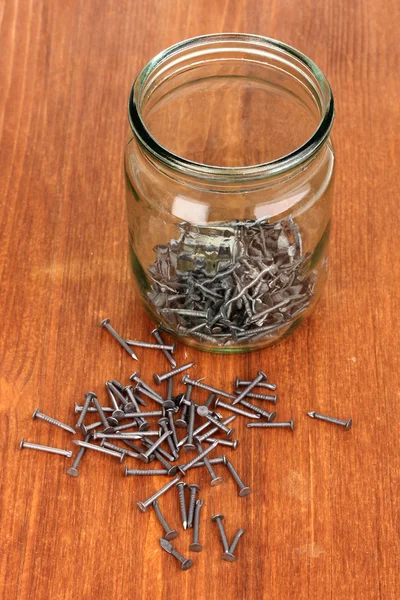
323,518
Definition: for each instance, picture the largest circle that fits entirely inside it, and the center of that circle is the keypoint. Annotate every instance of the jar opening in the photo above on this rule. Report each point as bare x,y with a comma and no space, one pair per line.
231,107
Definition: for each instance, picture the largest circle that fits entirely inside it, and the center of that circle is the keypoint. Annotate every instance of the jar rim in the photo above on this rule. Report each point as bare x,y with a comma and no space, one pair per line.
279,166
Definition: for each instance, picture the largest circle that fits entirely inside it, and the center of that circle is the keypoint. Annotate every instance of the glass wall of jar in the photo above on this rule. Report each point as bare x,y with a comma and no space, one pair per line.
229,171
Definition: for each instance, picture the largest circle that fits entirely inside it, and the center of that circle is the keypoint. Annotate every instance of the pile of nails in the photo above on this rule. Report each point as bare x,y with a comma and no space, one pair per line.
226,285
162,444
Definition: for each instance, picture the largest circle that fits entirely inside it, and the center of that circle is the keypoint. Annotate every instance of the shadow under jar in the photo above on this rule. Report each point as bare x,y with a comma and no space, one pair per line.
228,174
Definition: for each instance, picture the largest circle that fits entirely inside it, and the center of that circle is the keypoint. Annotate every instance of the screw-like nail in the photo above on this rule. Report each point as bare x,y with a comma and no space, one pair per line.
215,479
102,416
139,344
146,455
170,534
270,416
23,444
244,490
88,400
99,449
236,541
276,424
171,423
260,377
195,546
105,444
182,502
214,430
137,435
194,489
184,468
170,388
38,415
267,386
78,409
236,409
143,506
189,445
135,377
218,519
160,378
203,411
212,461
156,334
232,444
345,424
145,472
186,380
73,471
268,398
186,563
163,423
106,323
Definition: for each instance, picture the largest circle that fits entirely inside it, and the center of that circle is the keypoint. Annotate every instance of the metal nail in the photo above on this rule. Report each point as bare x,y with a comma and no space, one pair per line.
268,386
236,409
195,546
268,398
182,502
38,415
275,424
73,470
189,445
270,416
99,449
214,430
106,323
186,380
194,489
88,400
105,444
186,563
244,490
260,377
160,378
170,534
218,519
236,541
345,424
145,472
51,450
156,334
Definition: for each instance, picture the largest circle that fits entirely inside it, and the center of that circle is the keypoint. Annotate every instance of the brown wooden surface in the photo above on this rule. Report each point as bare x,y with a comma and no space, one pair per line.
323,519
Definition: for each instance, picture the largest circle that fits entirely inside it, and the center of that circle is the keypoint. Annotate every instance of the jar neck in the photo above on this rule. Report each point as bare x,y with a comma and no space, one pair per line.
167,70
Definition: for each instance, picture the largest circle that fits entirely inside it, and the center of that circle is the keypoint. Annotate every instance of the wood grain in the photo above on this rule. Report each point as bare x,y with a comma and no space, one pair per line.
323,519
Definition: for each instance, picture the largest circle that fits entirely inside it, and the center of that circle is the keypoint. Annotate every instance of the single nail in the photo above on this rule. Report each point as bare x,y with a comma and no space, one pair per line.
270,416
236,409
170,534
143,506
88,400
268,398
195,546
107,428
244,490
182,503
160,378
215,479
232,444
145,472
170,388
218,519
38,415
345,424
186,380
140,344
184,468
23,444
156,334
189,445
186,563
106,323
194,489
203,411
268,386
260,377
276,424
236,541
73,471
105,444
99,449
171,423
137,435
214,430
163,423
91,409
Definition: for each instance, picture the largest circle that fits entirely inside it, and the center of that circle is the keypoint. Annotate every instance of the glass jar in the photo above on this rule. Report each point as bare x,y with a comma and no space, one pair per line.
228,175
